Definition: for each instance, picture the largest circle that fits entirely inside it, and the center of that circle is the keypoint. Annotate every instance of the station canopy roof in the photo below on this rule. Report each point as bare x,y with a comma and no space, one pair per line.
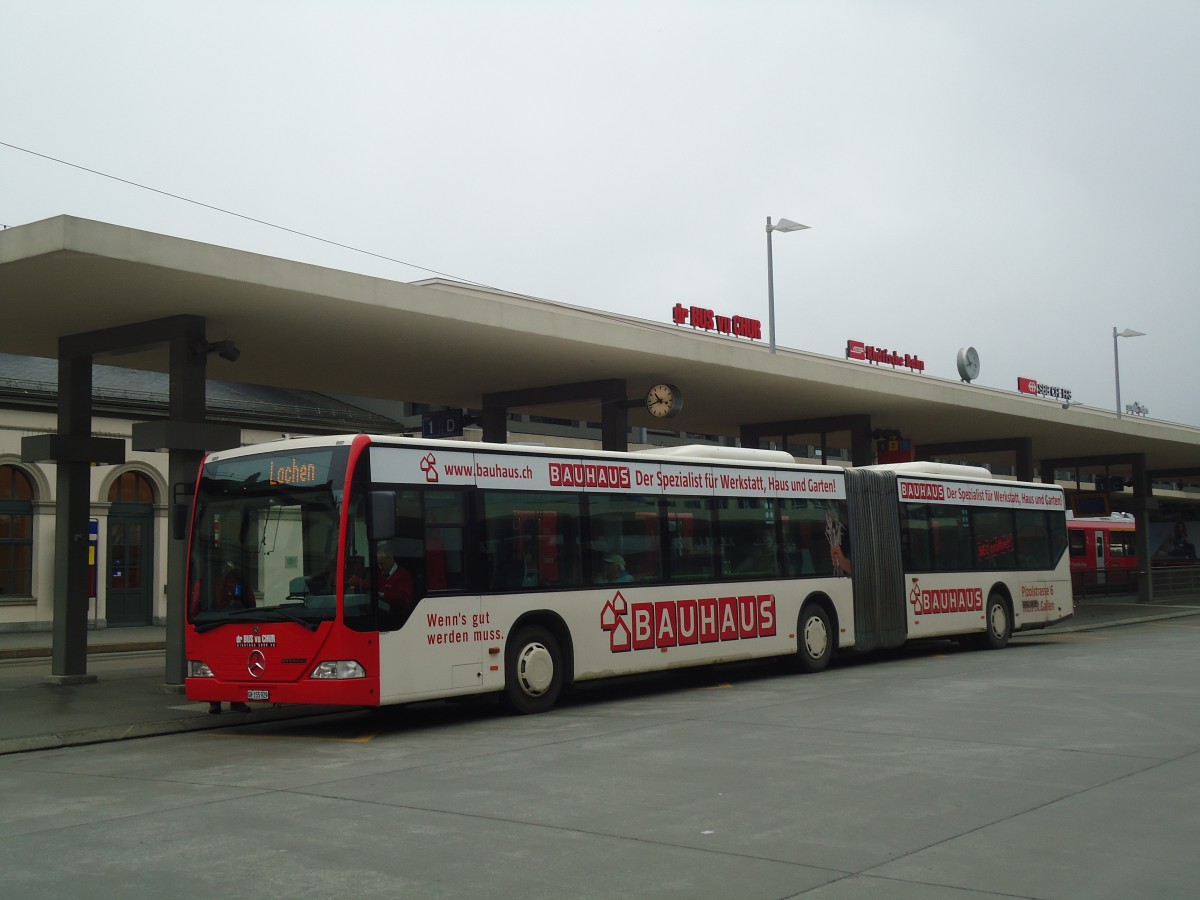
313,328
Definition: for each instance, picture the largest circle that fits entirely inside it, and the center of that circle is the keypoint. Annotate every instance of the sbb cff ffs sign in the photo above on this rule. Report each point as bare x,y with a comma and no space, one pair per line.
1032,386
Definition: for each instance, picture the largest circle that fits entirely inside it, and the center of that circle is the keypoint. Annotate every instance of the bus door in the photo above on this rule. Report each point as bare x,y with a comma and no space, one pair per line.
1100,560
438,648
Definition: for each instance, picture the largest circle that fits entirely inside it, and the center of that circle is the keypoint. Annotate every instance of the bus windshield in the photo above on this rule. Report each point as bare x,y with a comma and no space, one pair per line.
265,540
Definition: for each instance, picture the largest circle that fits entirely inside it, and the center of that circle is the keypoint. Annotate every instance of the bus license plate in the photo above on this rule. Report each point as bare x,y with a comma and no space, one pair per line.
258,695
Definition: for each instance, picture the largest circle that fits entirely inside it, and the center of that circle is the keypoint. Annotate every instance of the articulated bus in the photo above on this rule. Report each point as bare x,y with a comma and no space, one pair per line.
365,570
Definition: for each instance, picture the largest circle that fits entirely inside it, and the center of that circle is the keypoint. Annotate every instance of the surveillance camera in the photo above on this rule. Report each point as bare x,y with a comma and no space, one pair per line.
227,350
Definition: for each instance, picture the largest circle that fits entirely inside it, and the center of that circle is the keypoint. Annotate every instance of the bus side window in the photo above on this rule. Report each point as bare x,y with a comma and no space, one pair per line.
628,526
445,544
995,538
1033,539
950,539
747,545
690,539
530,539
408,544
914,536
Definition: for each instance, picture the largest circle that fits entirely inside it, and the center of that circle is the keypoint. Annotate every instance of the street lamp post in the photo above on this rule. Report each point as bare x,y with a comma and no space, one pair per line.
782,225
1128,332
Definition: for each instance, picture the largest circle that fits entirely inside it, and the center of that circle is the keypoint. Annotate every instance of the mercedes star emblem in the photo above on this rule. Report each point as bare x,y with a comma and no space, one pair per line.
256,665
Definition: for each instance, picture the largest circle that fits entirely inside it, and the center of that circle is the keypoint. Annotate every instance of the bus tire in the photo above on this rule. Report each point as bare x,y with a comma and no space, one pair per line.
814,638
997,623
533,670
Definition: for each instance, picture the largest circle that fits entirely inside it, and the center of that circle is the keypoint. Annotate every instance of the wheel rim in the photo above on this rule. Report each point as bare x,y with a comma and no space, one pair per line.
535,669
816,637
999,620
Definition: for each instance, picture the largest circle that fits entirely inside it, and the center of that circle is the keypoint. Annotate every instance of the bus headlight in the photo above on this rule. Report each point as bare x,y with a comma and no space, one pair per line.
199,669
338,668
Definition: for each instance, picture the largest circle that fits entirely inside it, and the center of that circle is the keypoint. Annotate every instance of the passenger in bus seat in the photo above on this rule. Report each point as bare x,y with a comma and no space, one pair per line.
614,569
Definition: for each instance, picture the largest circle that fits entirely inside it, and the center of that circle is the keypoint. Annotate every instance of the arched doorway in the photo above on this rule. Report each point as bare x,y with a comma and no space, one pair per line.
16,533
130,597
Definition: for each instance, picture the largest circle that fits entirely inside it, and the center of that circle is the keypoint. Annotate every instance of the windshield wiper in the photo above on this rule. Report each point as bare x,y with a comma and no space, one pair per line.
268,614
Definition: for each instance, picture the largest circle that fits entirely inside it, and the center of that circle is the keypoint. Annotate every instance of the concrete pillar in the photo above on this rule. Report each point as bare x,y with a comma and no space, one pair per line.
1142,491
73,501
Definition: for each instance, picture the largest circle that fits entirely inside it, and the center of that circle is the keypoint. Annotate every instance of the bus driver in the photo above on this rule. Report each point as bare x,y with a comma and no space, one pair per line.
394,582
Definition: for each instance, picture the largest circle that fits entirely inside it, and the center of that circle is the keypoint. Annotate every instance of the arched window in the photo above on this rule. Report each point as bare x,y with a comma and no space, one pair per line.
16,533
131,487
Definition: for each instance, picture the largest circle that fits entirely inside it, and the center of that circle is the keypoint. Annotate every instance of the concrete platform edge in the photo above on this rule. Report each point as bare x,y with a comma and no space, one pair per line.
203,722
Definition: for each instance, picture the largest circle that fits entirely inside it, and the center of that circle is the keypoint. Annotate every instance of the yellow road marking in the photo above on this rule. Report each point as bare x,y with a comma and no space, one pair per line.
1063,638
361,739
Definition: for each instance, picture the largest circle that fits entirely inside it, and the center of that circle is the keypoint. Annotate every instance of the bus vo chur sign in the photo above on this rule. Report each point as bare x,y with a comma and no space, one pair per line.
707,320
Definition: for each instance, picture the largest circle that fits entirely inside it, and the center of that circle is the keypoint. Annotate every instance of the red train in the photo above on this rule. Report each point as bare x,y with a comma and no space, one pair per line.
1103,554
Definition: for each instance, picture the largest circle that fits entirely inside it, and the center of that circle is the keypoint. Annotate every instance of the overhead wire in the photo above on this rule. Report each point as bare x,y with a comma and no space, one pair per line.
229,212
594,312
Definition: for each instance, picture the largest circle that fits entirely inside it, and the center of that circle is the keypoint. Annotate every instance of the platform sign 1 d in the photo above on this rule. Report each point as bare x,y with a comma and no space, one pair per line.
442,424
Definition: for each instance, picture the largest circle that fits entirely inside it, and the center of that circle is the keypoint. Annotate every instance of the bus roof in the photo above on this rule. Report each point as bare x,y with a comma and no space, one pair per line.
691,452
936,468
703,453
725,454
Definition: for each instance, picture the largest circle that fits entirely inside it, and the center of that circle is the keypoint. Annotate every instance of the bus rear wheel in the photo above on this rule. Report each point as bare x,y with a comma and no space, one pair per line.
814,638
998,628
533,676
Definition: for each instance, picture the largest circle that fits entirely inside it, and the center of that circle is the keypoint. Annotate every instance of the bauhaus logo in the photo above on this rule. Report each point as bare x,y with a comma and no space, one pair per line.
944,600
593,475
920,490
677,623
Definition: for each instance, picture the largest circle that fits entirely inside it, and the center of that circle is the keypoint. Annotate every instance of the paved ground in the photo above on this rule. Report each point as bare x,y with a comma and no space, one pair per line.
1062,767
128,699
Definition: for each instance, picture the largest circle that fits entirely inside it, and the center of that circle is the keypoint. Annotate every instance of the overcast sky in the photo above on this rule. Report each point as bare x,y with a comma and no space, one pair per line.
1015,175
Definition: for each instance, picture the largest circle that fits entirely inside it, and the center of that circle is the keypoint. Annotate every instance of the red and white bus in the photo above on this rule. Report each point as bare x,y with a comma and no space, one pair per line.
1103,552
368,570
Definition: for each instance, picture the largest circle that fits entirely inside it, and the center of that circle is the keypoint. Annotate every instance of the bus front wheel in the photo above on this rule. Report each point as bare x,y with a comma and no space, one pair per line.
998,627
814,638
533,676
